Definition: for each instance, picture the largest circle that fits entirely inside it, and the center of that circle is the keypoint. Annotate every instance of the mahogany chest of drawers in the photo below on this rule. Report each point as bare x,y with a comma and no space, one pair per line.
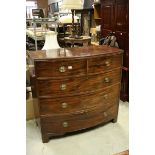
75,88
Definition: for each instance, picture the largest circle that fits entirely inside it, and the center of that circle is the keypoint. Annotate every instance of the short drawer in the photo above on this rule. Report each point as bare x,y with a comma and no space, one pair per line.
62,105
78,85
102,64
78,121
60,68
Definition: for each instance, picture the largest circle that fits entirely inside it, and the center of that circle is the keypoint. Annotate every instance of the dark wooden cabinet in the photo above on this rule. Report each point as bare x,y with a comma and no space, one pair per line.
121,16
75,88
107,15
115,18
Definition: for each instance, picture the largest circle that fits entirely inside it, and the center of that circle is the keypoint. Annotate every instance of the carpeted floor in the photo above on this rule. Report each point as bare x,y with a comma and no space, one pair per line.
105,140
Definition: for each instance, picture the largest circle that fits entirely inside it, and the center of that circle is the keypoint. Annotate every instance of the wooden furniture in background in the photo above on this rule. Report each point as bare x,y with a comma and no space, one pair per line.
64,30
97,13
96,22
76,88
84,41
43,4
86,20
115,18
29,108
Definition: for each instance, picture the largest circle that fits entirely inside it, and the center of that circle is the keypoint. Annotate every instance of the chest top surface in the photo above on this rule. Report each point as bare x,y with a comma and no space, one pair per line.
68,53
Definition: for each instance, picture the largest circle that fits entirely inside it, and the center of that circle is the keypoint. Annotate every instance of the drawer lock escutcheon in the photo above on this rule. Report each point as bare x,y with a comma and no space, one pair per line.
63,86
65,124
70,67
64,105
62,69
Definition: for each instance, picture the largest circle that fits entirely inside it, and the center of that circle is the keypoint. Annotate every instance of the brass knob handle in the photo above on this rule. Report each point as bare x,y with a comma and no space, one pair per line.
105,96
107,63
105,114
107,80
65,124
62,69
64,105
63,86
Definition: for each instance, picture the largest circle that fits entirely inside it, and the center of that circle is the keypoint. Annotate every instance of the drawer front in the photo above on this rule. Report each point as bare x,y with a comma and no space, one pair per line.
102,64
81,121
60,68
78,85
64,105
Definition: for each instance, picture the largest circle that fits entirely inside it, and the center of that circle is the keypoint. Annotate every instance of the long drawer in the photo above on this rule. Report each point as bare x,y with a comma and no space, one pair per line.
101,64
78,121
62,105
78,85
60,68
77,67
